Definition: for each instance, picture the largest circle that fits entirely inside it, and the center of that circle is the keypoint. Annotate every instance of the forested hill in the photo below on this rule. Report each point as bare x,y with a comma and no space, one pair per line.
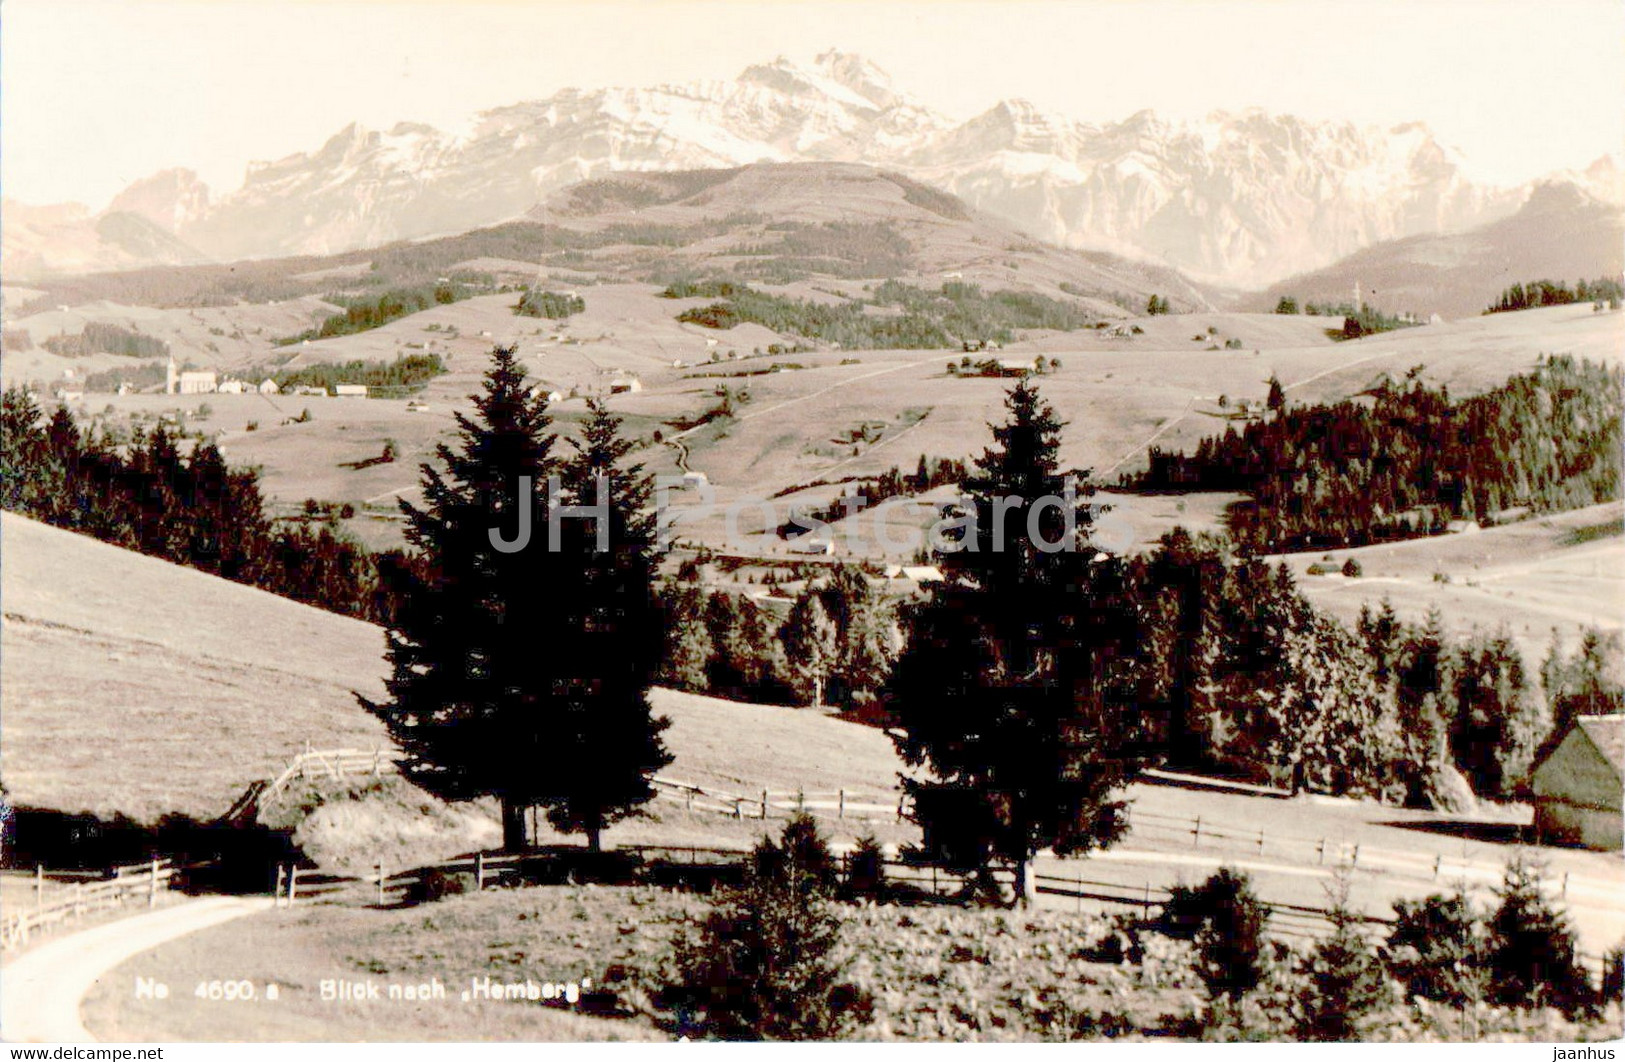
1403,460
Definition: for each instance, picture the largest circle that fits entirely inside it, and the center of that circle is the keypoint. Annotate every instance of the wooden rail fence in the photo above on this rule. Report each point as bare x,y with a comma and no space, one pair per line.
119,885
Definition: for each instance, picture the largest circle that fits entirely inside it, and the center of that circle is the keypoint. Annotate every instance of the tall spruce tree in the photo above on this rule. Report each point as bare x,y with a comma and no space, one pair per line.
1002,692
606,739
520,673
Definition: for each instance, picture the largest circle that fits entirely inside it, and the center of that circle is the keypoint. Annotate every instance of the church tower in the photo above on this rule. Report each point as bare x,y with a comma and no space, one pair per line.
171,380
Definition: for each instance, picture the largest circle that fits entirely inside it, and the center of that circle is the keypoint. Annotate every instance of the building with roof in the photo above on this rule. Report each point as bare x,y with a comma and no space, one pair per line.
1579,783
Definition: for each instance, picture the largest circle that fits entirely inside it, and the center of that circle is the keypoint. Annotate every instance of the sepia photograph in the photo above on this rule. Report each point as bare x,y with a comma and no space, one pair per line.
861,521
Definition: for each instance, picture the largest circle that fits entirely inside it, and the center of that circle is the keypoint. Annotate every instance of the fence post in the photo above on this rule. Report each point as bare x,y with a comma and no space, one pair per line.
1565,893
1145,906
276,894
479,871
1356,860
377,762
688,800
380,883
1080,890
764,803
39,887
152,886
1196,834
900,798
933,879
840,808
739,809
1320,852
293,883
801,799
1261,840
1437,860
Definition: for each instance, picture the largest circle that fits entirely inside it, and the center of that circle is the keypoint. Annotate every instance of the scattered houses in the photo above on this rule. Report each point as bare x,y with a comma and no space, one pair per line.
1578,784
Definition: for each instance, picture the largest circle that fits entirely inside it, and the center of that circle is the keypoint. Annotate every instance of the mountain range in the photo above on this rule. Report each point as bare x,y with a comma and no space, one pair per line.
1236,199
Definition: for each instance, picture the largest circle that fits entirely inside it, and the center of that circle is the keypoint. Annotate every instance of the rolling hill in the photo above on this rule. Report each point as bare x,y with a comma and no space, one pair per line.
135,686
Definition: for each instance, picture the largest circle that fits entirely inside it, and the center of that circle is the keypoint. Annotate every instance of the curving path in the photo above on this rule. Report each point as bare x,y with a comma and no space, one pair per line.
42,989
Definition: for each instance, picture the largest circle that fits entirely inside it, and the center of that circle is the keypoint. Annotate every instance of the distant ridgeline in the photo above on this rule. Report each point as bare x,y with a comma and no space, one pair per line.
1403,461
101,338
365,312
954,314
1538,293
190,509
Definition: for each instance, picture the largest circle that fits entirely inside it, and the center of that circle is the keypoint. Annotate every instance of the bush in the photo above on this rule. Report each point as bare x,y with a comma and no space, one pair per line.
1352,569
1226,920
1532,955
866,868
436,884
764,963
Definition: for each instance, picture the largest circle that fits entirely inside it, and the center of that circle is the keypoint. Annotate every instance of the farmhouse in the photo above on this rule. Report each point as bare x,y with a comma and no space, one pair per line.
232,387
1578,784
625,385
268,387
350,390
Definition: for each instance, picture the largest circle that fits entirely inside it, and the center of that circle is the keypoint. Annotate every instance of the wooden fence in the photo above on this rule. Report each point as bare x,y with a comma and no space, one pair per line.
118,885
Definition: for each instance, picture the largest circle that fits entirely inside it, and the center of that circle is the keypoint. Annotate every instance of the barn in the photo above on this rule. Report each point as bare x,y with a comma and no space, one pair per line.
1579,783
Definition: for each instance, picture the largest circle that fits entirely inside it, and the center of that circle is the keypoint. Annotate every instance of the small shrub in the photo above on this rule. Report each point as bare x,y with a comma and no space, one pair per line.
436,884
1352,569
764,962
252,425
1230,942
866,868
1342,980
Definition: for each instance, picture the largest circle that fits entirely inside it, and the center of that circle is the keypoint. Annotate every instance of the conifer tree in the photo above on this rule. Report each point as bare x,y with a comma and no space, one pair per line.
520,669
605,739
1002,691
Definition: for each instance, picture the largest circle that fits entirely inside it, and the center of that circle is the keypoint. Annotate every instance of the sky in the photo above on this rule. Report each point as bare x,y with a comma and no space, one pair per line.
95,94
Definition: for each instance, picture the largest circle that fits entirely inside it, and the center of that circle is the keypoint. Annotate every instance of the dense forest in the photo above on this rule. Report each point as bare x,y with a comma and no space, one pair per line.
1545,293
102,338
185,507
365,312
404,375
895,316
1404,459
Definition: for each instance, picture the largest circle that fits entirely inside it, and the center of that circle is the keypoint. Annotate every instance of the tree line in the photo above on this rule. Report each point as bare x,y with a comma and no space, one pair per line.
365,312
188,507
1403,460
405,374
100,337
1538,293
955,313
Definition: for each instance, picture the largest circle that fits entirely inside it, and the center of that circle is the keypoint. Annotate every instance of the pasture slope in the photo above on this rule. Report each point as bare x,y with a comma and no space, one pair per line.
135,686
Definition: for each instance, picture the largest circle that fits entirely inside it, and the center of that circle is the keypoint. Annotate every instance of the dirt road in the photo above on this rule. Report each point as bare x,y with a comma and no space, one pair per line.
41,990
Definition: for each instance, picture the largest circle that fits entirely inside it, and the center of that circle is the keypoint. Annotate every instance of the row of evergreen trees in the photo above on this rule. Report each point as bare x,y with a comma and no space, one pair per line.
835,647
186,507
1546,293
1402,460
